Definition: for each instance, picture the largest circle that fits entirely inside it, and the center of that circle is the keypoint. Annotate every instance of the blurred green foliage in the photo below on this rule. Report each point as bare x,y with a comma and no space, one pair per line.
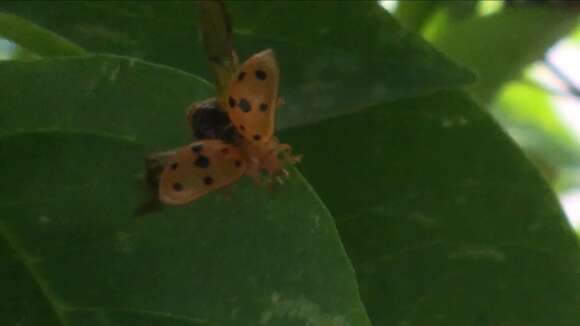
500,42
576,34
39,40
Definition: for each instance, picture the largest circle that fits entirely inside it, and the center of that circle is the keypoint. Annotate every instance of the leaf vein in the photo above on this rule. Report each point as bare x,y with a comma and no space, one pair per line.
28,263
146,312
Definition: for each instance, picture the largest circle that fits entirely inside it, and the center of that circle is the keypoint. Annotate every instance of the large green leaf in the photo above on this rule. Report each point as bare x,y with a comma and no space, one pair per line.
444,219
109,94
39,40
74,136
334,58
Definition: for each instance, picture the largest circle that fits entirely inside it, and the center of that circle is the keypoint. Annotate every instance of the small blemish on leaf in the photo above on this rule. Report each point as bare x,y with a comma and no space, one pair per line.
478,253
450,122
44,220
300,310
114,73
124,242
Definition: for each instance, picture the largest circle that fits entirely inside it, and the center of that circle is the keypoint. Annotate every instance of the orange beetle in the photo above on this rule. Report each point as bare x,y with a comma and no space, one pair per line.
206,165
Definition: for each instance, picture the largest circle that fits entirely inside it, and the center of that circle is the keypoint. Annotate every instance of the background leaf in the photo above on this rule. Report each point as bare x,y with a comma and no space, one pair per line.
445,221
334,59
105,94
39,40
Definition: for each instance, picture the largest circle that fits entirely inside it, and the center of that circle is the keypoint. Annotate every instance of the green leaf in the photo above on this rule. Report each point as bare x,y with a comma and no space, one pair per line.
501,45
105,94
334,58
415,14
72,254
444,219
576,34
35,38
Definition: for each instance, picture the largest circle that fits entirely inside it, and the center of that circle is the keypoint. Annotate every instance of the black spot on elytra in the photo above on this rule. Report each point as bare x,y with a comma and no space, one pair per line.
225,151
245,105
202,162
173,166
260,74
263,107
207,180
257,137
177,186
238,163
197,148
242,128
232,102
241,76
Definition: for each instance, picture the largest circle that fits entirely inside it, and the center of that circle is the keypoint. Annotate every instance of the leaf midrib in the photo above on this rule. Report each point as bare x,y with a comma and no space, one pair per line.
27,262
13,243
60,308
